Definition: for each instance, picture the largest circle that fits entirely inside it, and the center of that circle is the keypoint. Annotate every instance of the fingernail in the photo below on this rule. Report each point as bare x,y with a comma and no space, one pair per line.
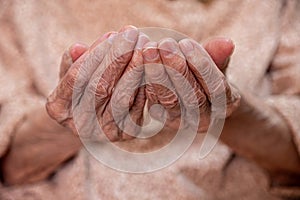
107,35
143,39
169,48
111,37
187,45
131,35
124,28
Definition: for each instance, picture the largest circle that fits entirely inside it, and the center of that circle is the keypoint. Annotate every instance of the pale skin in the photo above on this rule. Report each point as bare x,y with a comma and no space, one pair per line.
249,141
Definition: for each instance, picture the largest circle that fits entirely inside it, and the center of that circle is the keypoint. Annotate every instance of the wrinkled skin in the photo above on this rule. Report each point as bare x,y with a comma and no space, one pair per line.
191,61
127,56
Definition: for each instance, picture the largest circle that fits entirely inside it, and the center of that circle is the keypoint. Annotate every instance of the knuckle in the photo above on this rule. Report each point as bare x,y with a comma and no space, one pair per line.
206,70
189,100
176,65
201,98
96,55
219,98
65,64
120,56
121,102
99,90
109,127
56,111
71,77
219,89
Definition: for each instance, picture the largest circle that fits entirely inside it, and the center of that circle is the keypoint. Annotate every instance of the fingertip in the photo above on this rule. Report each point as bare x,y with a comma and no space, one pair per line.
76,50
224,44
150,51
142,40
150,45
220,49
127,27
186,45
168,48
106,36
131,34
167,44
166,40
111,37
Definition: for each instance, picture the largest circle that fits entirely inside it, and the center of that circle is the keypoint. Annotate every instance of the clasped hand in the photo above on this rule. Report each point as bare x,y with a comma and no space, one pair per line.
124,72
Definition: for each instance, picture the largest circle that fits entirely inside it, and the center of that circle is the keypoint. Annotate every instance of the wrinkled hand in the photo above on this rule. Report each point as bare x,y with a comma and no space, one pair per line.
192,79
96,72
112,70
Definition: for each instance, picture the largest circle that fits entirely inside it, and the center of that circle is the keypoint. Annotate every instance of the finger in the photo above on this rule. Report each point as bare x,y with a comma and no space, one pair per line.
124,28
76,50
113,65
220,50
60,100
124,113
206,72
152,56
103,38
70,56
183,80
123,128
108,74
133,75
159,88
132,80
135,115
177,69
65,64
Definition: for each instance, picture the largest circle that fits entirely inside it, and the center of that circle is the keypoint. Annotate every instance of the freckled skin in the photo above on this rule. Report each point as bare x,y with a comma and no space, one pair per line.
139,51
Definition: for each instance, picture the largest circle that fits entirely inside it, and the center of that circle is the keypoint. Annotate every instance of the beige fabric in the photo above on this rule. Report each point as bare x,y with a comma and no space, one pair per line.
285,80
35,33
285,72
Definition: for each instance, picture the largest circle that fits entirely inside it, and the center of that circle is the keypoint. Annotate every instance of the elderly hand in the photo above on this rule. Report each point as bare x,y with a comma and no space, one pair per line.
113,68
97,72
188,78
